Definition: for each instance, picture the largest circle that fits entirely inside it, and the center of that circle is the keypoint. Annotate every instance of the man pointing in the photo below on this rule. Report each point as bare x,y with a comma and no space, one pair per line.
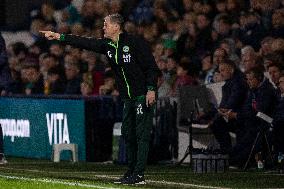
136,74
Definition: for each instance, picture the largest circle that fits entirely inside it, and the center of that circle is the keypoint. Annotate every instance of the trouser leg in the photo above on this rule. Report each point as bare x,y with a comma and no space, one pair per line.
144,124
220,130
129,133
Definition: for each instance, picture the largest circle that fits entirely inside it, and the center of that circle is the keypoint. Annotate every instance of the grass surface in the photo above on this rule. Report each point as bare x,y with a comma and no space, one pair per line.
34,174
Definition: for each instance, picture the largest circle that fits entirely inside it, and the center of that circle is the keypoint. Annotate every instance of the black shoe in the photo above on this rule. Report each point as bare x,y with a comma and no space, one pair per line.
125,177
135,179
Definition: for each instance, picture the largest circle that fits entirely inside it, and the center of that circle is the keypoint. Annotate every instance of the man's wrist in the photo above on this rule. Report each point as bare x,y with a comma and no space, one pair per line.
151,88
62,37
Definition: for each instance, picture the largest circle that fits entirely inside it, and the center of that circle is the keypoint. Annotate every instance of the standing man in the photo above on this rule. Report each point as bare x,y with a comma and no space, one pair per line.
136,73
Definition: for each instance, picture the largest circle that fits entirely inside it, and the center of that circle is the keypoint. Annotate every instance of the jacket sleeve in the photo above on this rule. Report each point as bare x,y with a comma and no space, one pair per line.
88,43
147,62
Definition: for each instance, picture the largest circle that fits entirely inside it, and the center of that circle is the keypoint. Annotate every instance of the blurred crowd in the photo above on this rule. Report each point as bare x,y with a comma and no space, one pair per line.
189,38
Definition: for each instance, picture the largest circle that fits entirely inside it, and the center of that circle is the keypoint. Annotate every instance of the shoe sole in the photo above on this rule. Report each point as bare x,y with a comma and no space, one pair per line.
117,182
141,183
137,183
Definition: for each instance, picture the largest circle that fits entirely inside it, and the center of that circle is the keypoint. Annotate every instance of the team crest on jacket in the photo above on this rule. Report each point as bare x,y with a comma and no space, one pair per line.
125,49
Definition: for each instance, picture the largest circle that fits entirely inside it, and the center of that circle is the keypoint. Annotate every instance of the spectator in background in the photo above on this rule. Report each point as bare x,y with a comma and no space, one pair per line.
108,88
234,8
248,58
70,15
265,46
219,56
86,88
203,38
47,62
130,27
261,98
223,27
169,47
5,76
208,68
158,51
253,31
186,43
88,13
164,87
73,77
274,71
278,45
34,80
170,74
184,76
18,50
55,81
229,46
221,6
57,50
233,96
93,75
278,23
15,86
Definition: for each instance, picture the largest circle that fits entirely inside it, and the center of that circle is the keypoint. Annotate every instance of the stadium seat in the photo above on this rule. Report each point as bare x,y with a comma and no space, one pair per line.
58,148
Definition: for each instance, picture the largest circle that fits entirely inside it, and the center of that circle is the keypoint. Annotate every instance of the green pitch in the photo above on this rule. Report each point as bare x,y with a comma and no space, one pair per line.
43,174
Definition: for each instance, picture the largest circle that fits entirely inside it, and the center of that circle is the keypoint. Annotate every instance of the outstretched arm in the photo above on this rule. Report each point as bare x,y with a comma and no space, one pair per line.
93,44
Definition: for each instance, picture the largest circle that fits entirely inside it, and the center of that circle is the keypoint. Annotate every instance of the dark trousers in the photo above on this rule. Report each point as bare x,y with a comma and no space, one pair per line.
245,131
137,124
221,130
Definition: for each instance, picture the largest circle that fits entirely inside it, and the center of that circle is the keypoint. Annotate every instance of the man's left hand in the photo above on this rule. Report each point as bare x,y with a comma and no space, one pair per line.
150,98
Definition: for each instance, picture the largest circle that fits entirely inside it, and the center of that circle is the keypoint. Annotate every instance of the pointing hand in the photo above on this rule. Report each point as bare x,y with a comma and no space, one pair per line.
51,35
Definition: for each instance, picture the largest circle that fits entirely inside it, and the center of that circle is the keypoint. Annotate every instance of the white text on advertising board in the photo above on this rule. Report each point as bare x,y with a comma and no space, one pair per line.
15,128
57,126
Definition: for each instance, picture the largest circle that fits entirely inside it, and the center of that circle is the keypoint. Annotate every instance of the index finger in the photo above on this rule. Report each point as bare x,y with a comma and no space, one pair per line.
42,31
147,102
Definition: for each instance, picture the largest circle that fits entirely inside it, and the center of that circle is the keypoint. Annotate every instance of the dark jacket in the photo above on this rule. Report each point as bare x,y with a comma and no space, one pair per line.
262,99
130,58
234,92
37,87
57,87
73,86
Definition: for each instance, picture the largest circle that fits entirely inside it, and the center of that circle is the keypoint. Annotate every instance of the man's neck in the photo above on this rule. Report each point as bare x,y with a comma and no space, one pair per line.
115,37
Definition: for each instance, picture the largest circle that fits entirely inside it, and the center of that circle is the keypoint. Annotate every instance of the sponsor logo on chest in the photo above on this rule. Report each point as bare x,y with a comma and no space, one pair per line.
126,55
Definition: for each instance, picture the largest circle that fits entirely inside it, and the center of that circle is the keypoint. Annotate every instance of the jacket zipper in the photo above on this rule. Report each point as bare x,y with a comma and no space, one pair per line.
116,61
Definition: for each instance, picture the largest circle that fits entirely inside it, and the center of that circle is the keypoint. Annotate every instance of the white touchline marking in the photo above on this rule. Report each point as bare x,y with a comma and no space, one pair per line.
53,181
115,177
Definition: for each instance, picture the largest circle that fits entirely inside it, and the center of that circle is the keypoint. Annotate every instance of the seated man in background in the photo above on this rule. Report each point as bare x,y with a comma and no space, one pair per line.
233,96
261,98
